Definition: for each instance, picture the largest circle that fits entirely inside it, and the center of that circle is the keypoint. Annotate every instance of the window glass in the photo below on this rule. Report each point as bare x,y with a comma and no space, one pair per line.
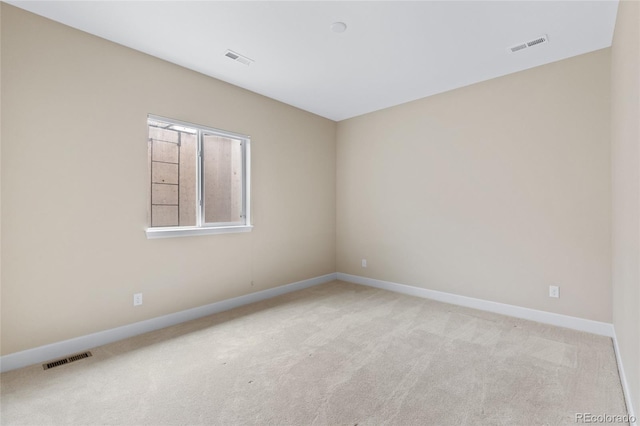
222,179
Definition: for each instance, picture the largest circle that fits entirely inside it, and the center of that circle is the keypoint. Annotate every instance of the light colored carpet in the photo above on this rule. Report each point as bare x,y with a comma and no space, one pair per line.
337,353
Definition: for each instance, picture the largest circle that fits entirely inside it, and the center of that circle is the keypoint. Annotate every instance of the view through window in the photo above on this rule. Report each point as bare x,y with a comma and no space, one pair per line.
198,175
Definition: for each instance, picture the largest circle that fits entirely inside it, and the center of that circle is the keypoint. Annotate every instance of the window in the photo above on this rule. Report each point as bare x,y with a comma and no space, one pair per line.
199,180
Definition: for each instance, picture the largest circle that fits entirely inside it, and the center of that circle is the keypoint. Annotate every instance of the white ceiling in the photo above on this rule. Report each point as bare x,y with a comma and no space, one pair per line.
392,51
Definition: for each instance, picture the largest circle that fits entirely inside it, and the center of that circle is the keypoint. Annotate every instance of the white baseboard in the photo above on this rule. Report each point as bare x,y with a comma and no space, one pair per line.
625,385
79,344
581,324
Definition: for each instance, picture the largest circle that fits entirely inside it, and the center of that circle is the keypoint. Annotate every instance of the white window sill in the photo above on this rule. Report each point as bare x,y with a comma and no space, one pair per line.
191,232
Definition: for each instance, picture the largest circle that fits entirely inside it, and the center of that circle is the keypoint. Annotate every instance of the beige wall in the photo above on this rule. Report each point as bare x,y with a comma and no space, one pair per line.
625,137
493,191
75,185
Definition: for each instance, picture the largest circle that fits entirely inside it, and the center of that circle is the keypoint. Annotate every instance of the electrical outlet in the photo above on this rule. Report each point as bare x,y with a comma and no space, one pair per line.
364,263
554,291
137,299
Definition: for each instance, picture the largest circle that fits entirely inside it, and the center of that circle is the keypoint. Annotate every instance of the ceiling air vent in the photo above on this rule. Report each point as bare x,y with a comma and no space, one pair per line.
525,45
238,57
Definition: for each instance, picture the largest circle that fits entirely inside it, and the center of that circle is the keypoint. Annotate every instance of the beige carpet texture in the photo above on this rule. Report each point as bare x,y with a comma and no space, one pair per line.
333,354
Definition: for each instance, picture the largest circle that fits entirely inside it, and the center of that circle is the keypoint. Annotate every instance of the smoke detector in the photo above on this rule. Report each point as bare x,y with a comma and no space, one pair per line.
338,27
238,57
527,44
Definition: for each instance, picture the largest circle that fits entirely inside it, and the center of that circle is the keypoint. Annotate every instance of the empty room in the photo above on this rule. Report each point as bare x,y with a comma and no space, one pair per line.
319,213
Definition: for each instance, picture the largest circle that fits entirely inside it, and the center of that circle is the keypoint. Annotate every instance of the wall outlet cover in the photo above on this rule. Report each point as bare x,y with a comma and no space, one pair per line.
137,299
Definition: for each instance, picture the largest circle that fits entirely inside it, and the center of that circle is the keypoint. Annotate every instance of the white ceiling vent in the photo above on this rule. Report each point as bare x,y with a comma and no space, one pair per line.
527,44
238,57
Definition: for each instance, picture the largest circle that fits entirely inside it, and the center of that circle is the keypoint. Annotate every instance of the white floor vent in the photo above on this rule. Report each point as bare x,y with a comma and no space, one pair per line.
527,44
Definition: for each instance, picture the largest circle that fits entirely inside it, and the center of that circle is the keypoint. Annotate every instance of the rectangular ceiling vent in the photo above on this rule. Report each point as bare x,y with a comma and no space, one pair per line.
64,361
527,44
238,57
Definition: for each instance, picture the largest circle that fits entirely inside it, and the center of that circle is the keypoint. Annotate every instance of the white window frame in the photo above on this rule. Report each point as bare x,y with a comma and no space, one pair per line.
201,227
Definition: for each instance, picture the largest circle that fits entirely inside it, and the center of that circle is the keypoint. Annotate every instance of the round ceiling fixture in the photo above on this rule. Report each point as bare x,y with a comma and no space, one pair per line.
338,27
